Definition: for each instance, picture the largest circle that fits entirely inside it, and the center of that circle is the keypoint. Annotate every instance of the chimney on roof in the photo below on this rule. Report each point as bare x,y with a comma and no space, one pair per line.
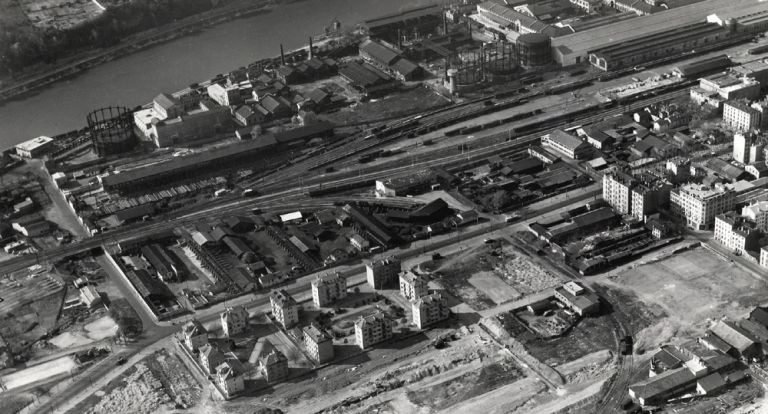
309,55
282,55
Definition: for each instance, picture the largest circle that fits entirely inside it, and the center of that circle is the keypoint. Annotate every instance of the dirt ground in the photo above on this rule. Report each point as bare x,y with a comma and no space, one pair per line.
489,274
394,105
159,382
692,288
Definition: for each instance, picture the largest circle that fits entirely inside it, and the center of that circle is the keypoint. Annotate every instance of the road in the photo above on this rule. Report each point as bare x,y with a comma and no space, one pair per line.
157,333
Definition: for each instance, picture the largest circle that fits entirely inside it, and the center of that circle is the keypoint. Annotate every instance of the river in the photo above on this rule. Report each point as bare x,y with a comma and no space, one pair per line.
136,78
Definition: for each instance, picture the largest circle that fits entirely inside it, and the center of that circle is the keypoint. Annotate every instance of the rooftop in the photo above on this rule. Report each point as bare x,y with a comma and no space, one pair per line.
34,143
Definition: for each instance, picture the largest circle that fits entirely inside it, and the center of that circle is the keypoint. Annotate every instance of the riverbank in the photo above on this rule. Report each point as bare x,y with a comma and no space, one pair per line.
137,42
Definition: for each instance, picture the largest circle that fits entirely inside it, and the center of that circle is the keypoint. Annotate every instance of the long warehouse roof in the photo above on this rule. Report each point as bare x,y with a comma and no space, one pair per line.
582,42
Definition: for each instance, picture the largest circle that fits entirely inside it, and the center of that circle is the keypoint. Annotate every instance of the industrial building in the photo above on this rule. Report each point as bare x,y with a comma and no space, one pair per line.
389,59
667,33
717,89
578,298
412,23
34,148
195,165
572,146
534,49
505,23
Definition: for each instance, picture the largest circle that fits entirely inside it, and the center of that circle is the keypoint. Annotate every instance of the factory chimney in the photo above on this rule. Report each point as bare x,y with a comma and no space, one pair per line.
445,23
309,56
282,55
399,39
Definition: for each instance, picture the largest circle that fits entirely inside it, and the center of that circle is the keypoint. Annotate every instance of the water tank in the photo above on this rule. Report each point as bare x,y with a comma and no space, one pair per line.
534,49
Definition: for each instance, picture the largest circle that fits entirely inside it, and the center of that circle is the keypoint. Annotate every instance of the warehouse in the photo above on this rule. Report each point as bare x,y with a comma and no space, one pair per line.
185,168
575,48
659,45
421,20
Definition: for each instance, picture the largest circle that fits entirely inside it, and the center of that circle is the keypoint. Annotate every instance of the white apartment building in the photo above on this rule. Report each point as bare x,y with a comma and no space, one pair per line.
699,204
381,273
430,309
736,233
284,308
372,329
740,116
413,286
748,148
234,320
328,288
617,191
758,213
225,95
764,256
319,344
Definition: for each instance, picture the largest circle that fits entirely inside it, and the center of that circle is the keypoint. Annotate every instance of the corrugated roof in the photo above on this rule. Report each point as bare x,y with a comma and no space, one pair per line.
379,52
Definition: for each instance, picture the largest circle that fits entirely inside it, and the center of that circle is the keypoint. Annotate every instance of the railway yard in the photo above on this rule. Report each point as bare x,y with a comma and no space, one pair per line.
473,226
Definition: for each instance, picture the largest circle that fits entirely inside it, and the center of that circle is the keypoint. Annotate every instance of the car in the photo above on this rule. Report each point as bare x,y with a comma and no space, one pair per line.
489,241
121,360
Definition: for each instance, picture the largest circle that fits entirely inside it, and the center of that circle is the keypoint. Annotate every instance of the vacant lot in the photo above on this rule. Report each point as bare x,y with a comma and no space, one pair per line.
395,105
493,287
468,385
40,372
690,287
587,336
158,383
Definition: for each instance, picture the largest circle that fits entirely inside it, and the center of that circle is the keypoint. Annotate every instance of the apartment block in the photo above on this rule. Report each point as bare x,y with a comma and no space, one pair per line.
384,272
635,196
736,233
413,286
372,329
234,320
274,365
758,213
328,288
319,344
748,148
698,204
430,309
284,308
740,116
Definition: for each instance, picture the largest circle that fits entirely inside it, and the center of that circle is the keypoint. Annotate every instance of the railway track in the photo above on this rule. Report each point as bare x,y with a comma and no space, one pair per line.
487,145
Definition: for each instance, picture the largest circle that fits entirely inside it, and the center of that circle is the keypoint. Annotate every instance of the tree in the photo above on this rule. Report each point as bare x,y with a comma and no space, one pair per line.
499,200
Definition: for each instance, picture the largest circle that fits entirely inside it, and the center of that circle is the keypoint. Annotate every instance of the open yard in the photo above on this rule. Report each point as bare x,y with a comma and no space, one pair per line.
40,372
490,274
394,105
157,383
691,288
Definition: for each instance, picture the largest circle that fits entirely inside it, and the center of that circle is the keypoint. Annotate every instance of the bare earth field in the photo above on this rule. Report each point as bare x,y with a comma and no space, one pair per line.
158,382
692,288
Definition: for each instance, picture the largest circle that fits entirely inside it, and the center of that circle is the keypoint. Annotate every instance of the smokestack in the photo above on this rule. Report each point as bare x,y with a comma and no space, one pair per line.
309,56
282,55
399,39
445,23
